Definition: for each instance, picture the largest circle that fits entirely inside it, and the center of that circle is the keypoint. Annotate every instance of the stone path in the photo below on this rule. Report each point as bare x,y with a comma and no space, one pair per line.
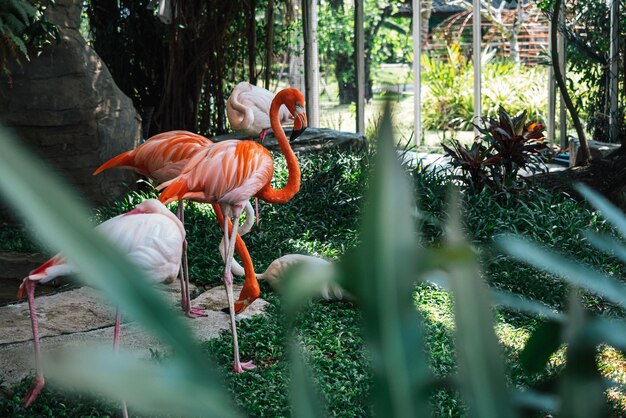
436,161
79,317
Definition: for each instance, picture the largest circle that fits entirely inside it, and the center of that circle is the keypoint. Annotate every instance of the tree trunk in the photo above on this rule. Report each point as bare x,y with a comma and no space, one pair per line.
607,176
269,42
251,36
427,10
563,88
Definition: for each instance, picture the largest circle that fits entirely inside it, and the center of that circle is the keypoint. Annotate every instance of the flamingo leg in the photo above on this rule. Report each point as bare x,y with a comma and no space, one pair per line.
185,298
184,293
192,311
238,366
39,381
116,348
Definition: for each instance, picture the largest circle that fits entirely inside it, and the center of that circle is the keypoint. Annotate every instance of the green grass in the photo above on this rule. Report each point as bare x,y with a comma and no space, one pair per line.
323,219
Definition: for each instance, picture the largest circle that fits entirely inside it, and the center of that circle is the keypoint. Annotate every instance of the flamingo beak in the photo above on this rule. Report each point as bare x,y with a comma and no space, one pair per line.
299,123
240,306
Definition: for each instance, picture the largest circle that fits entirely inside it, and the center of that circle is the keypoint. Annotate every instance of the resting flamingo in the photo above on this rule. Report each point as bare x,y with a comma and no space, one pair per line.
275,270
150,235
248,110
227,174
162,158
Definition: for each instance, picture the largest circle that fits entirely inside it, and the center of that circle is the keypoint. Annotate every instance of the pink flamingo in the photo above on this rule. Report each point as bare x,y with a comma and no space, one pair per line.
162,158
150,234
227,174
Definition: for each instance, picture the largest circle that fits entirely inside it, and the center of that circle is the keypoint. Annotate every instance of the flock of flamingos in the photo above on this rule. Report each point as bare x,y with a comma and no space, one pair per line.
191,167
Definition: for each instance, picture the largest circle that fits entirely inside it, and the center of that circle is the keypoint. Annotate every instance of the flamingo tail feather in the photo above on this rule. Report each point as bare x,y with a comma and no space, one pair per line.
174,191
124,159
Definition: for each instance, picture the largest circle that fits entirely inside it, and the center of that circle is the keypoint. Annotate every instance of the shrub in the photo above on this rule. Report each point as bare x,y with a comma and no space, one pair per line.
447,101
507,145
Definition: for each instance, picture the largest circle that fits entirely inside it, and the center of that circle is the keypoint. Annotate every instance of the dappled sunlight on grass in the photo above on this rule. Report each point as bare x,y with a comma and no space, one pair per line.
512,337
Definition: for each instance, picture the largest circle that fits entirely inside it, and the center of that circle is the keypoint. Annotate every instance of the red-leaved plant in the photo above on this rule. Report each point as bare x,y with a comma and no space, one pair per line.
505,146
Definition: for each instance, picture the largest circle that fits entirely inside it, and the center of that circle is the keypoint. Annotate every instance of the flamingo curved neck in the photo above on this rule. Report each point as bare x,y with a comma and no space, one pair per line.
268,193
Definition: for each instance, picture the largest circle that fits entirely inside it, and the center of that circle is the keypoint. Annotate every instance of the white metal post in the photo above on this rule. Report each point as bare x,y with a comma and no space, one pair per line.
476,42
417,72
311,66
614,72
360,65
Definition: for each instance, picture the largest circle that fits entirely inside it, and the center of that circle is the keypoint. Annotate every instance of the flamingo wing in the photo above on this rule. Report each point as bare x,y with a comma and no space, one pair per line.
152,241
228,172
161,157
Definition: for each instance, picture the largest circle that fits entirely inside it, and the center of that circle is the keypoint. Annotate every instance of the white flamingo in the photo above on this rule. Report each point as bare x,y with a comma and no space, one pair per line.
150,235
248,110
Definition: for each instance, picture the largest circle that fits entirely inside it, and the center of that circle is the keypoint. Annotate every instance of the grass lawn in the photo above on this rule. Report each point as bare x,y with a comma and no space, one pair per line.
323,219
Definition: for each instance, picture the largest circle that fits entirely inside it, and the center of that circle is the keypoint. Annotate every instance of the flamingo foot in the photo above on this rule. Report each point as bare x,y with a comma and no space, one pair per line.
34,390
196,312
246,366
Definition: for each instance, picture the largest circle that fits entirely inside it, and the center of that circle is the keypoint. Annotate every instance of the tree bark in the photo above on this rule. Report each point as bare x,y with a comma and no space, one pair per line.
251,36
269,42
563,88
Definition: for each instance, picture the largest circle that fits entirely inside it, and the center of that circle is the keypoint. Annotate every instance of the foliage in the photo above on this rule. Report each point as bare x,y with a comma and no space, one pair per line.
324,222
580,386
588,43
386,38
447,98
23,24
507,146
178,74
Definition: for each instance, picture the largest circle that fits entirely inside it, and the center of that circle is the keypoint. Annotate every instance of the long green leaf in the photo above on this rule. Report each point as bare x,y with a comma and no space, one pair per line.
140,383
607,244
607,330
536,400
581,385
609,211
481,366
543,342
61,222
571,271
527,306
305,399
381,274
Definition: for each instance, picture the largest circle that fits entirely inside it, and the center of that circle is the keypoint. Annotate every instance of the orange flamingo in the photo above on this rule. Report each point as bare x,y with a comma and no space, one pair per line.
226,175
150,235
162,158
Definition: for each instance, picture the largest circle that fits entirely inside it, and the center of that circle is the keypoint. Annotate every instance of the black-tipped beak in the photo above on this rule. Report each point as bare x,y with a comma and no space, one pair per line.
295,133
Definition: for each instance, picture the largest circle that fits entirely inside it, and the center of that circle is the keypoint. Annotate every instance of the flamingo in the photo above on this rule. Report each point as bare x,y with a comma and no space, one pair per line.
248,109
226,175
150,234
162,158
277,268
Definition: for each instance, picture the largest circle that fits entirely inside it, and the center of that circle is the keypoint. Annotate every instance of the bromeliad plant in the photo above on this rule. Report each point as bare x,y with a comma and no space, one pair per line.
505,146
474,162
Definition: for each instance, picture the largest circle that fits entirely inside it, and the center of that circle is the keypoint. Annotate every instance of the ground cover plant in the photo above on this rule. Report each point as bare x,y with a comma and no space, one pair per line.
325,221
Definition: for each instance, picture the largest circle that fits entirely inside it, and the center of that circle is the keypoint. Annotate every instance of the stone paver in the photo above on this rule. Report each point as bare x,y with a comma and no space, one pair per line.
79,317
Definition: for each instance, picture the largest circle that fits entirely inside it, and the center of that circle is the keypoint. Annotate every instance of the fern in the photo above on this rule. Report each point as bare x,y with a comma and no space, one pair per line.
22,24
